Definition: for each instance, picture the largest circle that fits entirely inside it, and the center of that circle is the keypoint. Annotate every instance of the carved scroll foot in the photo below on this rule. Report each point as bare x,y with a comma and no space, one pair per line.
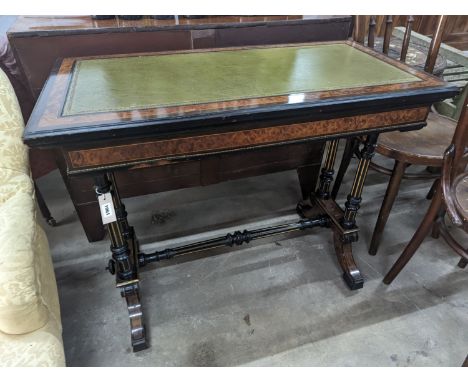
135,313
462,263
303,210
343,239
351,274
52,222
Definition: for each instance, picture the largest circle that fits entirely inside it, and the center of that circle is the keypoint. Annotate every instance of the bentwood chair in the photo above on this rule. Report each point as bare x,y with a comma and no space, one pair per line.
450,197
422,147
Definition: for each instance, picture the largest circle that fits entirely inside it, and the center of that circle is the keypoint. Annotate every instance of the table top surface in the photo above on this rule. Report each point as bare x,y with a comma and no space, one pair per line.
164,90
155,81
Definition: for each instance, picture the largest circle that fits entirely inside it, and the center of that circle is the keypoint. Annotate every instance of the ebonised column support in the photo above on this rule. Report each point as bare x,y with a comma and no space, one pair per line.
342,222
124,262
354,199
327,172
351,147
128,231
342,238
345,235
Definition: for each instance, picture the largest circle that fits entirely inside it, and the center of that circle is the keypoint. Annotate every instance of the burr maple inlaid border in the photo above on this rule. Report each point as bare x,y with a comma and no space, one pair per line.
166,148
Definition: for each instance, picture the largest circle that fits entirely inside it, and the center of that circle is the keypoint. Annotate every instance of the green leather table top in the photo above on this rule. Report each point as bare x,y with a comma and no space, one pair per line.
151,81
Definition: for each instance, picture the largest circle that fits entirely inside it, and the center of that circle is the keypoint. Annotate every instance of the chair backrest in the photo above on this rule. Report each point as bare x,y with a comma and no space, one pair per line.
460,140
360,29
455,162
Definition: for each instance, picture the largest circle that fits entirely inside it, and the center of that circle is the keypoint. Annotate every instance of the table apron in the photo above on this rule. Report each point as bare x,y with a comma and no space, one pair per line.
163,151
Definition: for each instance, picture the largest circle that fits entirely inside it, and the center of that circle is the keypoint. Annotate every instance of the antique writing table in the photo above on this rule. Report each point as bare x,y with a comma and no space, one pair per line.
111,113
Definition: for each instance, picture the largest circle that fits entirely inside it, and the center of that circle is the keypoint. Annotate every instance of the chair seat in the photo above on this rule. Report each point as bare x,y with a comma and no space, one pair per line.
423,147
460,188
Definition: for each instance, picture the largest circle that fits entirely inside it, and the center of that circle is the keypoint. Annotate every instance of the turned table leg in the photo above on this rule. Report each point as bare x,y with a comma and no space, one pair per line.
326,176
353,202
124,262
342,223
343,235
343,239
351,146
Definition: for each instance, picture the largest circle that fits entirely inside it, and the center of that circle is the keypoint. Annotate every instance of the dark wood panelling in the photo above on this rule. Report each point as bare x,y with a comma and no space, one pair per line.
282,34
67,25
455,33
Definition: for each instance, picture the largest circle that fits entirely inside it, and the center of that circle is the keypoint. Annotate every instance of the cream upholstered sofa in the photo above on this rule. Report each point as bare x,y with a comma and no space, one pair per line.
30,326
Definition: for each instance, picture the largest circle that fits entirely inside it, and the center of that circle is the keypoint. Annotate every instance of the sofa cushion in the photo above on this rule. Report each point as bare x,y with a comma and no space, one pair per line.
11,120
45,274
13,182
21,304
30,325
13,154
41,348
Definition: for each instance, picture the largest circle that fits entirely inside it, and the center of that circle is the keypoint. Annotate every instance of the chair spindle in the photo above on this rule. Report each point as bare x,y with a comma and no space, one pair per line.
359,32
388,33
406,38
371,36
435,44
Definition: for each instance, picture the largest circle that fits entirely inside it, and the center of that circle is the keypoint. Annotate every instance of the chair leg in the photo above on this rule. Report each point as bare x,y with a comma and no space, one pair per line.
43,207
436,230
422,231
389,199
440,218
430,194
351,146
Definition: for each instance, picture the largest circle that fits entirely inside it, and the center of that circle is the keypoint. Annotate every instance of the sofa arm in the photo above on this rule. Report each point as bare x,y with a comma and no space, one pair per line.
30,324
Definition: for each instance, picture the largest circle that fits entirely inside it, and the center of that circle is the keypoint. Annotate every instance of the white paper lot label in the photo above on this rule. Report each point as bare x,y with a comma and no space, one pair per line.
107,208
